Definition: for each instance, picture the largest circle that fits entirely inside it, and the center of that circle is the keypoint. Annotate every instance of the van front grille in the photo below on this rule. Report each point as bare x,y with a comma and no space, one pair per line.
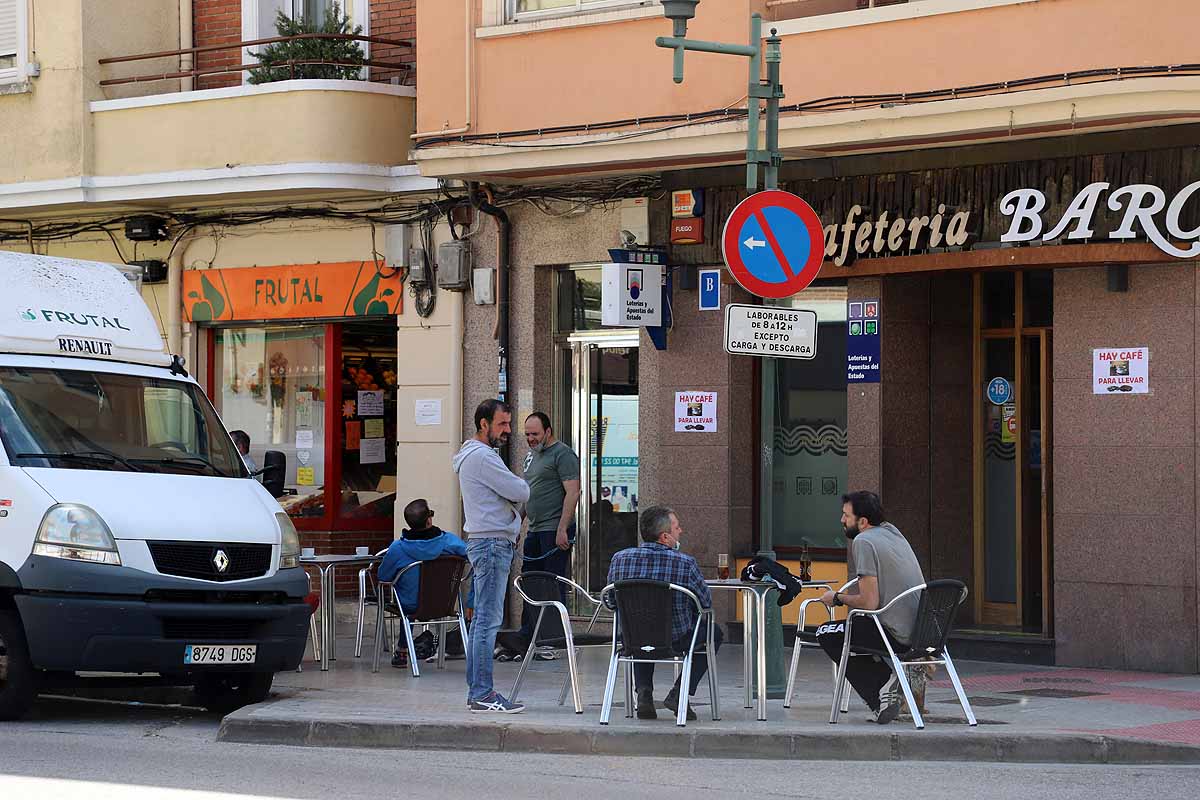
203,560
210,630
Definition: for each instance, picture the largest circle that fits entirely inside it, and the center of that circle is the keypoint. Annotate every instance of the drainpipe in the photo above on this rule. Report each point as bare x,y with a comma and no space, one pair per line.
187,61
175,291
501,331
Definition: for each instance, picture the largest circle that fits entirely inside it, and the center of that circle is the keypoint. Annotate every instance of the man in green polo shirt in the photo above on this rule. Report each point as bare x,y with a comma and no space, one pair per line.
552,472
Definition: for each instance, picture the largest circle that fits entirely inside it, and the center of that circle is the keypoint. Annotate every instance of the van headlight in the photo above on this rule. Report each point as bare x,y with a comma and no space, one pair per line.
77,533
289,551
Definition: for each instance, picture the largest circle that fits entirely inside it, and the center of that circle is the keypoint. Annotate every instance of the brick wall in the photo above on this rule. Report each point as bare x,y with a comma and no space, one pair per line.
341,543
217,22
395,19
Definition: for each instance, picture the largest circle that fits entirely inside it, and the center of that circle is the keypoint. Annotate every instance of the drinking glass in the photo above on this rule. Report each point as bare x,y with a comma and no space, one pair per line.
723,566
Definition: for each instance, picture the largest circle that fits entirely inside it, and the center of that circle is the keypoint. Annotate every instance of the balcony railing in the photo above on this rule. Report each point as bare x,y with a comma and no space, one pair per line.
375,69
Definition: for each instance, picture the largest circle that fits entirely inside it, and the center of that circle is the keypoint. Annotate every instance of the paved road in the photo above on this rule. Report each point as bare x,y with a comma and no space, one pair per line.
77,749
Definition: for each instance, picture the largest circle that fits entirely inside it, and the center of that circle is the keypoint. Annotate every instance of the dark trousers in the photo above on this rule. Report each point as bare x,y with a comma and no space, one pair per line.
542,554
643,674
865,673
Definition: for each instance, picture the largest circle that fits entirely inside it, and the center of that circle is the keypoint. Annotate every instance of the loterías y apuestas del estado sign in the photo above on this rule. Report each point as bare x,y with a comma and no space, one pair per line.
1140,204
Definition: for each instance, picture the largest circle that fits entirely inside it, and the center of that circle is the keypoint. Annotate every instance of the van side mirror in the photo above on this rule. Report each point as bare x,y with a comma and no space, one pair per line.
274,472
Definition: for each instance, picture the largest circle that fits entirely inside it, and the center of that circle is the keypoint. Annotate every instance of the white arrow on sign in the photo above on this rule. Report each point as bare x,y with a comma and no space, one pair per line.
752,243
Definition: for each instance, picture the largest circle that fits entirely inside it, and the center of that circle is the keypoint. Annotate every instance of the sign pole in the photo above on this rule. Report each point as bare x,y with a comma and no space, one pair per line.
770,159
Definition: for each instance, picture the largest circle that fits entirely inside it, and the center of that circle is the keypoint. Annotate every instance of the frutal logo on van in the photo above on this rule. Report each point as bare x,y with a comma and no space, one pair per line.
72,318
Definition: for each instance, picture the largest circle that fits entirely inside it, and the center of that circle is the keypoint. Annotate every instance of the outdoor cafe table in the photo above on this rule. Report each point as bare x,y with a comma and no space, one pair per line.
327,566
754,606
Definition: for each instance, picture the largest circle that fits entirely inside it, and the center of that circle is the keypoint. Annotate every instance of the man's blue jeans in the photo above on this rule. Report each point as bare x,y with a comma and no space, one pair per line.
490,560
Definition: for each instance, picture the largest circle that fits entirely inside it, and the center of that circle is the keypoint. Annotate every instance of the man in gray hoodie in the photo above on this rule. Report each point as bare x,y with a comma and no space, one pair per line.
491,495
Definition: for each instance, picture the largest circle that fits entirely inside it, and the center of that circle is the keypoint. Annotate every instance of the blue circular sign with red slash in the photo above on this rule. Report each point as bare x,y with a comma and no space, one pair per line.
773,244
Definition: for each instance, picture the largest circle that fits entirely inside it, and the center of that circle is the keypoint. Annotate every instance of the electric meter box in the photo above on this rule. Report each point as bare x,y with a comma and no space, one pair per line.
454,265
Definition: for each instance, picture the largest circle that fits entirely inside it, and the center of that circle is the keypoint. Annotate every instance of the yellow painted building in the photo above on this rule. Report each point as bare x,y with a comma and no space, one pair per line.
235,183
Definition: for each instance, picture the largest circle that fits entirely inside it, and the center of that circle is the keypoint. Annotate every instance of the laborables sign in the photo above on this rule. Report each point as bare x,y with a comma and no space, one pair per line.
296,291
1121,370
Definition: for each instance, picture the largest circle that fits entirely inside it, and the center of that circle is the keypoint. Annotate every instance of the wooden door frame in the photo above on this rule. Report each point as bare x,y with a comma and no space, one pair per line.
1017,334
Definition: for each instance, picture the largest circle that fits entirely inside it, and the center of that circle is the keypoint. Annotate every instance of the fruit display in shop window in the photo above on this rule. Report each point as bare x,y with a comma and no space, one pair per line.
362,378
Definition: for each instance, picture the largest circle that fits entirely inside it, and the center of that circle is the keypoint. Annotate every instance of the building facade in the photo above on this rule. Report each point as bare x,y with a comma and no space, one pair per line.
1010,236
271,219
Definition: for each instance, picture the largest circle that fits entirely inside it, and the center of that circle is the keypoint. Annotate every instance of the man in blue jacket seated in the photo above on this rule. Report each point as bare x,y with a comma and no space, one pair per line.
421,541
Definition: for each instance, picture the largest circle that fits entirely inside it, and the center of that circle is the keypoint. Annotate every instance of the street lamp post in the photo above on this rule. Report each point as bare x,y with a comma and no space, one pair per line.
769,159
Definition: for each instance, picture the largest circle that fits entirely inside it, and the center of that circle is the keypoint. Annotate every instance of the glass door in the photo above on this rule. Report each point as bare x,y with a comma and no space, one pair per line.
603,416
1013,511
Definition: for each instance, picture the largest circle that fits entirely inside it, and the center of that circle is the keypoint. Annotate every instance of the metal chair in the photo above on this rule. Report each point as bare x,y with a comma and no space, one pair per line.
940,601
806,639
313,635
368,594
642,635
439,603
543,591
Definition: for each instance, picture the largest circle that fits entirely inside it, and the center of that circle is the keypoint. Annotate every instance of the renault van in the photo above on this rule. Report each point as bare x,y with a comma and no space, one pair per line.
132,538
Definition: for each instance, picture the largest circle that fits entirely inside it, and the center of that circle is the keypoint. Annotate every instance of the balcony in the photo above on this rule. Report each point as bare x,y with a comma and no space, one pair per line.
299,136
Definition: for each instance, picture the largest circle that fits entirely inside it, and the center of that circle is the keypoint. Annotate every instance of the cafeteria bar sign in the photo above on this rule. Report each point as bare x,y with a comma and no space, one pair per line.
1140,202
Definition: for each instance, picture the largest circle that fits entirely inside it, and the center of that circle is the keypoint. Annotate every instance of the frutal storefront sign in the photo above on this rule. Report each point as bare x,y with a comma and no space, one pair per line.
295,291
1138,203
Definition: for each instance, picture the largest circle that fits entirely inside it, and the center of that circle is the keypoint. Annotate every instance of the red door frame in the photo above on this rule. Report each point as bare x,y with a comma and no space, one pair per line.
334,436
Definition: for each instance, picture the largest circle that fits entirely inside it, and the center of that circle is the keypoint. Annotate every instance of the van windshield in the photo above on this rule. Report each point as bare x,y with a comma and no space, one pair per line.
79,419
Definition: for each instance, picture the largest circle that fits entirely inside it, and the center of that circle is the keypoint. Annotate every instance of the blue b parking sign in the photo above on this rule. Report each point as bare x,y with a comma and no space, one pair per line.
710,290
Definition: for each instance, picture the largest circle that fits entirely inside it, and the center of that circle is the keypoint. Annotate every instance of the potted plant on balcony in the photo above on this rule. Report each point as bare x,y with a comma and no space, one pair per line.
329,59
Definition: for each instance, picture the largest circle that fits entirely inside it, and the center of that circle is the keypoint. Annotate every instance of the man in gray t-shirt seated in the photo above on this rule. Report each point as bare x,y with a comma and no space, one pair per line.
884,562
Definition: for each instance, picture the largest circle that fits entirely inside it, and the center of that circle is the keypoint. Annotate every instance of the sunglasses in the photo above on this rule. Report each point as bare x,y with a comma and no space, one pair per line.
1122,388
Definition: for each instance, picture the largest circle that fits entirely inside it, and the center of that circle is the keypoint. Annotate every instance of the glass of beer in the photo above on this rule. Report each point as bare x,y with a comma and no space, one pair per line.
723,566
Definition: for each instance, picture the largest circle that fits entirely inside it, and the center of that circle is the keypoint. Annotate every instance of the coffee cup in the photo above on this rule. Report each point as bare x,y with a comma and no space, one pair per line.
362,551
308,552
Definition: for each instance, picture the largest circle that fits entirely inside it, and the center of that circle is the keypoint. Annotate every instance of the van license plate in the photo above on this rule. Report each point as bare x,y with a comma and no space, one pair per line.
220,654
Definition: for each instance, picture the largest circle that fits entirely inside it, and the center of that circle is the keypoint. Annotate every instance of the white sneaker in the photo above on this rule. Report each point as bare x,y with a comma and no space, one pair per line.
889,703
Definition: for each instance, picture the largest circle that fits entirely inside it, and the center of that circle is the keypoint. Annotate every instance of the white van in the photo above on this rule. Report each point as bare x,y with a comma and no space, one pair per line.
132,538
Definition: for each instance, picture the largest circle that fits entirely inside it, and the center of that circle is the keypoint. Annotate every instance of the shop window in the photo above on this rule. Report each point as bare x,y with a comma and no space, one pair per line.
810,447
271,384
578,300
368,440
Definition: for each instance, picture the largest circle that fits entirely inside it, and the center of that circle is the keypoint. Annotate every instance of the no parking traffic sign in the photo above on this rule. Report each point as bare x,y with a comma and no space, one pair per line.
773,244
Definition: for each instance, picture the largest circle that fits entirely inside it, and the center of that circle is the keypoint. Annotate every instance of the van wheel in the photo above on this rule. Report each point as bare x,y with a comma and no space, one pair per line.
229,691
18,681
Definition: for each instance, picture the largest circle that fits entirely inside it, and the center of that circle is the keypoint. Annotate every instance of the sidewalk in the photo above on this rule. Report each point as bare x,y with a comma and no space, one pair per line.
1026,714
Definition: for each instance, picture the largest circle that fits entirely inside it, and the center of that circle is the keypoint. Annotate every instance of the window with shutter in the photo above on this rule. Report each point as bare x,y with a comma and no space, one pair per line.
12,40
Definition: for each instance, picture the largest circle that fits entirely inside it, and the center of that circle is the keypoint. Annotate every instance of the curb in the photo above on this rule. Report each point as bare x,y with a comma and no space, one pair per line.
510,737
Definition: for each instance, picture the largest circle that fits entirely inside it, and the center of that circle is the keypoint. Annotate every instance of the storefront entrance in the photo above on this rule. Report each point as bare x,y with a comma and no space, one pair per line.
1012,449
596,411
602,417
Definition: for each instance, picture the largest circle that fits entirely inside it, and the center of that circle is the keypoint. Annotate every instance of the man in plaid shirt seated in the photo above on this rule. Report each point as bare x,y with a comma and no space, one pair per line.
658,559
